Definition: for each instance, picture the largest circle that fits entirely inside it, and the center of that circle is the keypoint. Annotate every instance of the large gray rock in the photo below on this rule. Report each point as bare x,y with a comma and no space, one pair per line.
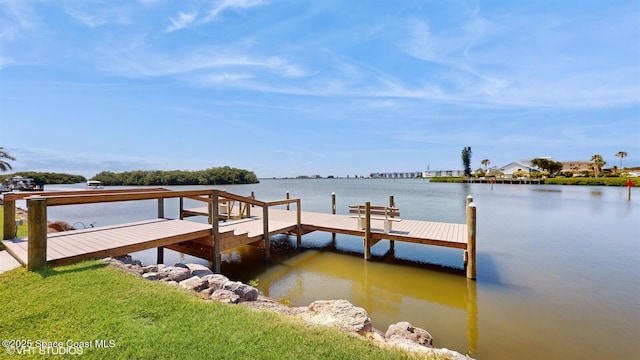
150,276
265,303
225,296
199,270
244,291
194,283
150,269
217,281
174,273
340,314
404,331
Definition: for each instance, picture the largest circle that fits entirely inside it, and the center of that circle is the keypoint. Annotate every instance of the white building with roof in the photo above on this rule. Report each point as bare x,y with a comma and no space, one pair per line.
513,167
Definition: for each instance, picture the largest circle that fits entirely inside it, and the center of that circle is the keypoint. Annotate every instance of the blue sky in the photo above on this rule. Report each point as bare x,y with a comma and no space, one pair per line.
286,88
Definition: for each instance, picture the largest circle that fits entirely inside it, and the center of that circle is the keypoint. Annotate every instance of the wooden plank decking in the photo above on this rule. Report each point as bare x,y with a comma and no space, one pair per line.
208,240
413,231
70,246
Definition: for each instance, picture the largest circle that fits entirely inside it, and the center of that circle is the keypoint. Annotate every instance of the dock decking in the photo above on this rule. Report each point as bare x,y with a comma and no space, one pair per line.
116,240
208,240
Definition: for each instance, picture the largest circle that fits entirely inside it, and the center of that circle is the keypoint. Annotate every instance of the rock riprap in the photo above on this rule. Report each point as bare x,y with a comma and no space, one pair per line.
340,314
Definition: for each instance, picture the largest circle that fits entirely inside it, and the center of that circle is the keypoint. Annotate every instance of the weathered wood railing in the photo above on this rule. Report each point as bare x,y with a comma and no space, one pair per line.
9,227
245,205
37,214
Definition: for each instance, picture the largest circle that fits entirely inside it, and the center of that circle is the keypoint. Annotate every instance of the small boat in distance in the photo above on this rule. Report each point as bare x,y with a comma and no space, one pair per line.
19,183
94,185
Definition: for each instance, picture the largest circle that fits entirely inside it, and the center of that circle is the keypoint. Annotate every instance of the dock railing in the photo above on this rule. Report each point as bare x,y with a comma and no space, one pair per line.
245,205
37,204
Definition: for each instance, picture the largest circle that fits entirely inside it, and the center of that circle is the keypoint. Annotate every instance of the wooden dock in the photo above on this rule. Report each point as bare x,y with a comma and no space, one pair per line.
233,228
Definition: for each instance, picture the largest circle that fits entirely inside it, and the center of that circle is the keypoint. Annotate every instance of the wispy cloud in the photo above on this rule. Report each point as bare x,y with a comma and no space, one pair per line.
15,17
140,62
223,5
183,20
98,15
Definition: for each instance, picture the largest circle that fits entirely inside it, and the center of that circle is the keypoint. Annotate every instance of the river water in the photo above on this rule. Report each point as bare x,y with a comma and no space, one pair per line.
558,271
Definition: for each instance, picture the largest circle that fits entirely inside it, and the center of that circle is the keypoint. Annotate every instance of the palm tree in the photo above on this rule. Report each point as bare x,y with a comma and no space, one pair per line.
4,166
485,162
621,154
597,162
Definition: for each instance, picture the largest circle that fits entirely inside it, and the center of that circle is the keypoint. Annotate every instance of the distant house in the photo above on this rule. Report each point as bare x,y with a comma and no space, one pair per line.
576,166
513,167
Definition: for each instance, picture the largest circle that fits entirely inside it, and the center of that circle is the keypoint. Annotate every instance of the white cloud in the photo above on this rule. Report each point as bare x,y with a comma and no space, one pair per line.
184,19
223,5
98,16
134,62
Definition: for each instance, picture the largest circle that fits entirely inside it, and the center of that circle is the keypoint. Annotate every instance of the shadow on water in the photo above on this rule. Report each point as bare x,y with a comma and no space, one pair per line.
247,263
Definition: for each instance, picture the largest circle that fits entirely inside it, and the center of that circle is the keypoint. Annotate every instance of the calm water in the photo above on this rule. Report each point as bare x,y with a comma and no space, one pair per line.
558,276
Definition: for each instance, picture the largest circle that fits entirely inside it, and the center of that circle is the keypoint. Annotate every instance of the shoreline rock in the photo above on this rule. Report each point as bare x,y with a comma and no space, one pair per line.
339,314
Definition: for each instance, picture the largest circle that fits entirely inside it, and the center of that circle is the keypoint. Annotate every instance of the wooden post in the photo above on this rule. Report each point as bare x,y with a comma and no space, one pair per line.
181,208
333,203
265,231
215,230
472,316
471,241
287,199
298,228
9,219
160,257
367,230
37,238
333,211
392,203
161,208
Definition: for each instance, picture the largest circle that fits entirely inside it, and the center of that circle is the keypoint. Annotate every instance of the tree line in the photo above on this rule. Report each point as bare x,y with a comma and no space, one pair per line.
48,177
213,176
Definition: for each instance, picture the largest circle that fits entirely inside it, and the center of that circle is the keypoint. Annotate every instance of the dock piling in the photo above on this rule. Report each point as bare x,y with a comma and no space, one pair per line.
299,225
470,253
333,212
265,231
37,236
287,197
215,229
9,218
392,203
367,230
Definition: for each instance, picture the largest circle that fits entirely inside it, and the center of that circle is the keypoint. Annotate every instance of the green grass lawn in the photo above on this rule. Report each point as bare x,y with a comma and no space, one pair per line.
90,301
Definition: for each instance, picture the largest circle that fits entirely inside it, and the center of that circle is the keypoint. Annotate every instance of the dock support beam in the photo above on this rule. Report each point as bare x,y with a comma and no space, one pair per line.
333,211
9,219
470,253
299,227
265,231
215,229
37,238
161,208
288,197
367,230
392,244
160,257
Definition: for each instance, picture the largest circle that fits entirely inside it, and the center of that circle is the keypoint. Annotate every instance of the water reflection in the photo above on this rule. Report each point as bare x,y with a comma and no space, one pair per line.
390,289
